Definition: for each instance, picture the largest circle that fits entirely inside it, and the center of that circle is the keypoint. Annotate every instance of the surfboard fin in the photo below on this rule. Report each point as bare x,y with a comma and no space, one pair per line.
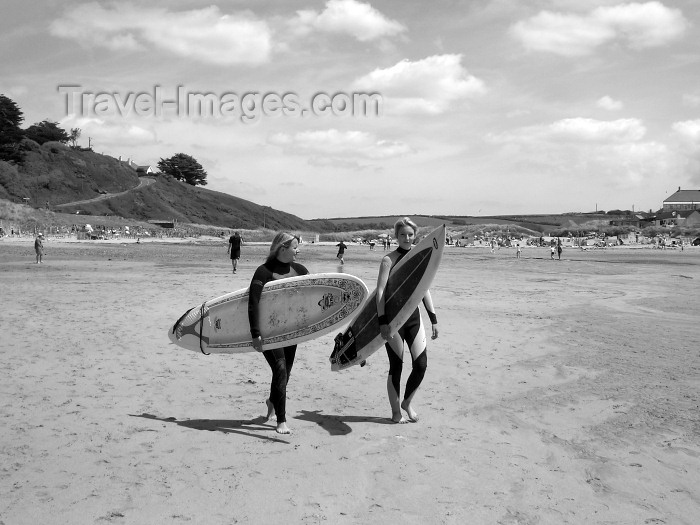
344,349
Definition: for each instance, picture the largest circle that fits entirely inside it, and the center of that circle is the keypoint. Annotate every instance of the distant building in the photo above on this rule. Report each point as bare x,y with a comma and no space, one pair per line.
669,219
163,223
636,220
683,200
141,170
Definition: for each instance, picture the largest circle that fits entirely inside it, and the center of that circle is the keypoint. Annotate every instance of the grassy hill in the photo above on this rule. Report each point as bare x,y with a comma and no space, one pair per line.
57,174
525,224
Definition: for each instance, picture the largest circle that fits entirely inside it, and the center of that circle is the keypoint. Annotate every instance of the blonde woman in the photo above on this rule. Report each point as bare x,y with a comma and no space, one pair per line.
412,332
280,264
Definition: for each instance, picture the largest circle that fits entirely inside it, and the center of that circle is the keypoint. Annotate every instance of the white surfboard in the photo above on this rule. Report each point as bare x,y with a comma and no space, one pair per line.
292,311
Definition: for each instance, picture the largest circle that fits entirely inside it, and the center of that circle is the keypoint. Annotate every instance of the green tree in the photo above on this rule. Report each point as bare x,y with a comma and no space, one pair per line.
185,168
10,133
74,136
46,131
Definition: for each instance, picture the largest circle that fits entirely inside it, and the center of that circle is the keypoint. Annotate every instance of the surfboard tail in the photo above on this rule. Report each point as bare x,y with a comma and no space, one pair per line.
344,350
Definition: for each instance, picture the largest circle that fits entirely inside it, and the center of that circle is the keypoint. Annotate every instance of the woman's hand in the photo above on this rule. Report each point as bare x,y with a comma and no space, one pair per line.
435,332
258,344
384,331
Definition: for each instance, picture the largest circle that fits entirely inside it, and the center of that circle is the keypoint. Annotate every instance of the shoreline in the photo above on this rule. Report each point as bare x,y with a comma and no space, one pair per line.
205,239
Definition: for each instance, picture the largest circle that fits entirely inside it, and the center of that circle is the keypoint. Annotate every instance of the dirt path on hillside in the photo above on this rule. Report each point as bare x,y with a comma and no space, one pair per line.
144,182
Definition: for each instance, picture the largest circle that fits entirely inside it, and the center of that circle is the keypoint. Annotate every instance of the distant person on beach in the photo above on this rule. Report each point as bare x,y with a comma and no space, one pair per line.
552,249
280,264
341,251
559,249
39,247
412,332
518,250
234,249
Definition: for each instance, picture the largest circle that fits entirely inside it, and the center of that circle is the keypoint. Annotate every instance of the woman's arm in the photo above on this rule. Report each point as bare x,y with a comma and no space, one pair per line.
428,303
254,293
300,269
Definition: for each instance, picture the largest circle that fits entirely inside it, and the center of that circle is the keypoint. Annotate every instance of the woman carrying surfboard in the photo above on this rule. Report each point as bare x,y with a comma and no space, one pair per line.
412,332
280,264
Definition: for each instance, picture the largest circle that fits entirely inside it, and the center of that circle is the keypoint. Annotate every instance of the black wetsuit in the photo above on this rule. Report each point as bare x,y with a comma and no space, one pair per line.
280,360
235,246
409,332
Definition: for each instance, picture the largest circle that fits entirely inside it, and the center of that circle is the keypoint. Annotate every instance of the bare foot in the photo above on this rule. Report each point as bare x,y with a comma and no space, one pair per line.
412,416
270,409
398,418
282,428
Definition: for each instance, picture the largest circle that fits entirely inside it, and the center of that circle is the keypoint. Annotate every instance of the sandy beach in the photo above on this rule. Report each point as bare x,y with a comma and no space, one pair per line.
558,392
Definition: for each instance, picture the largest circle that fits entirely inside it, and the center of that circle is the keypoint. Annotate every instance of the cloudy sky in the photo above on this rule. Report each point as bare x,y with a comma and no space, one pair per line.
479,106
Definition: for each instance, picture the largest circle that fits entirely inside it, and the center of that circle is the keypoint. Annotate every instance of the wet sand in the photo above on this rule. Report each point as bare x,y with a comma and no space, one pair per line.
558,392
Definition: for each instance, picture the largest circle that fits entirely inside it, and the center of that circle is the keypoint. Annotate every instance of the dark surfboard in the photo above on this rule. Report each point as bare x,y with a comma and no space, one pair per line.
407,284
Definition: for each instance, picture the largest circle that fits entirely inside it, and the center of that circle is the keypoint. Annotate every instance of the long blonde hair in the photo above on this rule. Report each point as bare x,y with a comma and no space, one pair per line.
280,240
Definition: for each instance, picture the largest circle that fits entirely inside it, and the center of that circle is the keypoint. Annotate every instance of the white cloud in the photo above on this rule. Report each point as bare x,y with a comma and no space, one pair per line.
610,152
576,130
339,148
200,34
609,103
109,134
569,35
429,86
357,19
650,24
622,130
643,25
688,131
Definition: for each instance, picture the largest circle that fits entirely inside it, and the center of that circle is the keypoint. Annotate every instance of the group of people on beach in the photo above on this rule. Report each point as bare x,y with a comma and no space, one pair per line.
281,263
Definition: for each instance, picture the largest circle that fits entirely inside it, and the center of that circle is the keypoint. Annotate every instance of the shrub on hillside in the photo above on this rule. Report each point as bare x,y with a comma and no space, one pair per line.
46,131
30,145
54,146
7,172
9,177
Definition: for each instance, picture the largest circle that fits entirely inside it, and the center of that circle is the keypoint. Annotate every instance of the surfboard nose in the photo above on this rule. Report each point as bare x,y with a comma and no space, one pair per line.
186,330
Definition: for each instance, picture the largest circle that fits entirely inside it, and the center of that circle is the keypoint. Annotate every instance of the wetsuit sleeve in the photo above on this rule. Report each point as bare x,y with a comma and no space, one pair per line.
300,269
259,279
428,303
382,279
